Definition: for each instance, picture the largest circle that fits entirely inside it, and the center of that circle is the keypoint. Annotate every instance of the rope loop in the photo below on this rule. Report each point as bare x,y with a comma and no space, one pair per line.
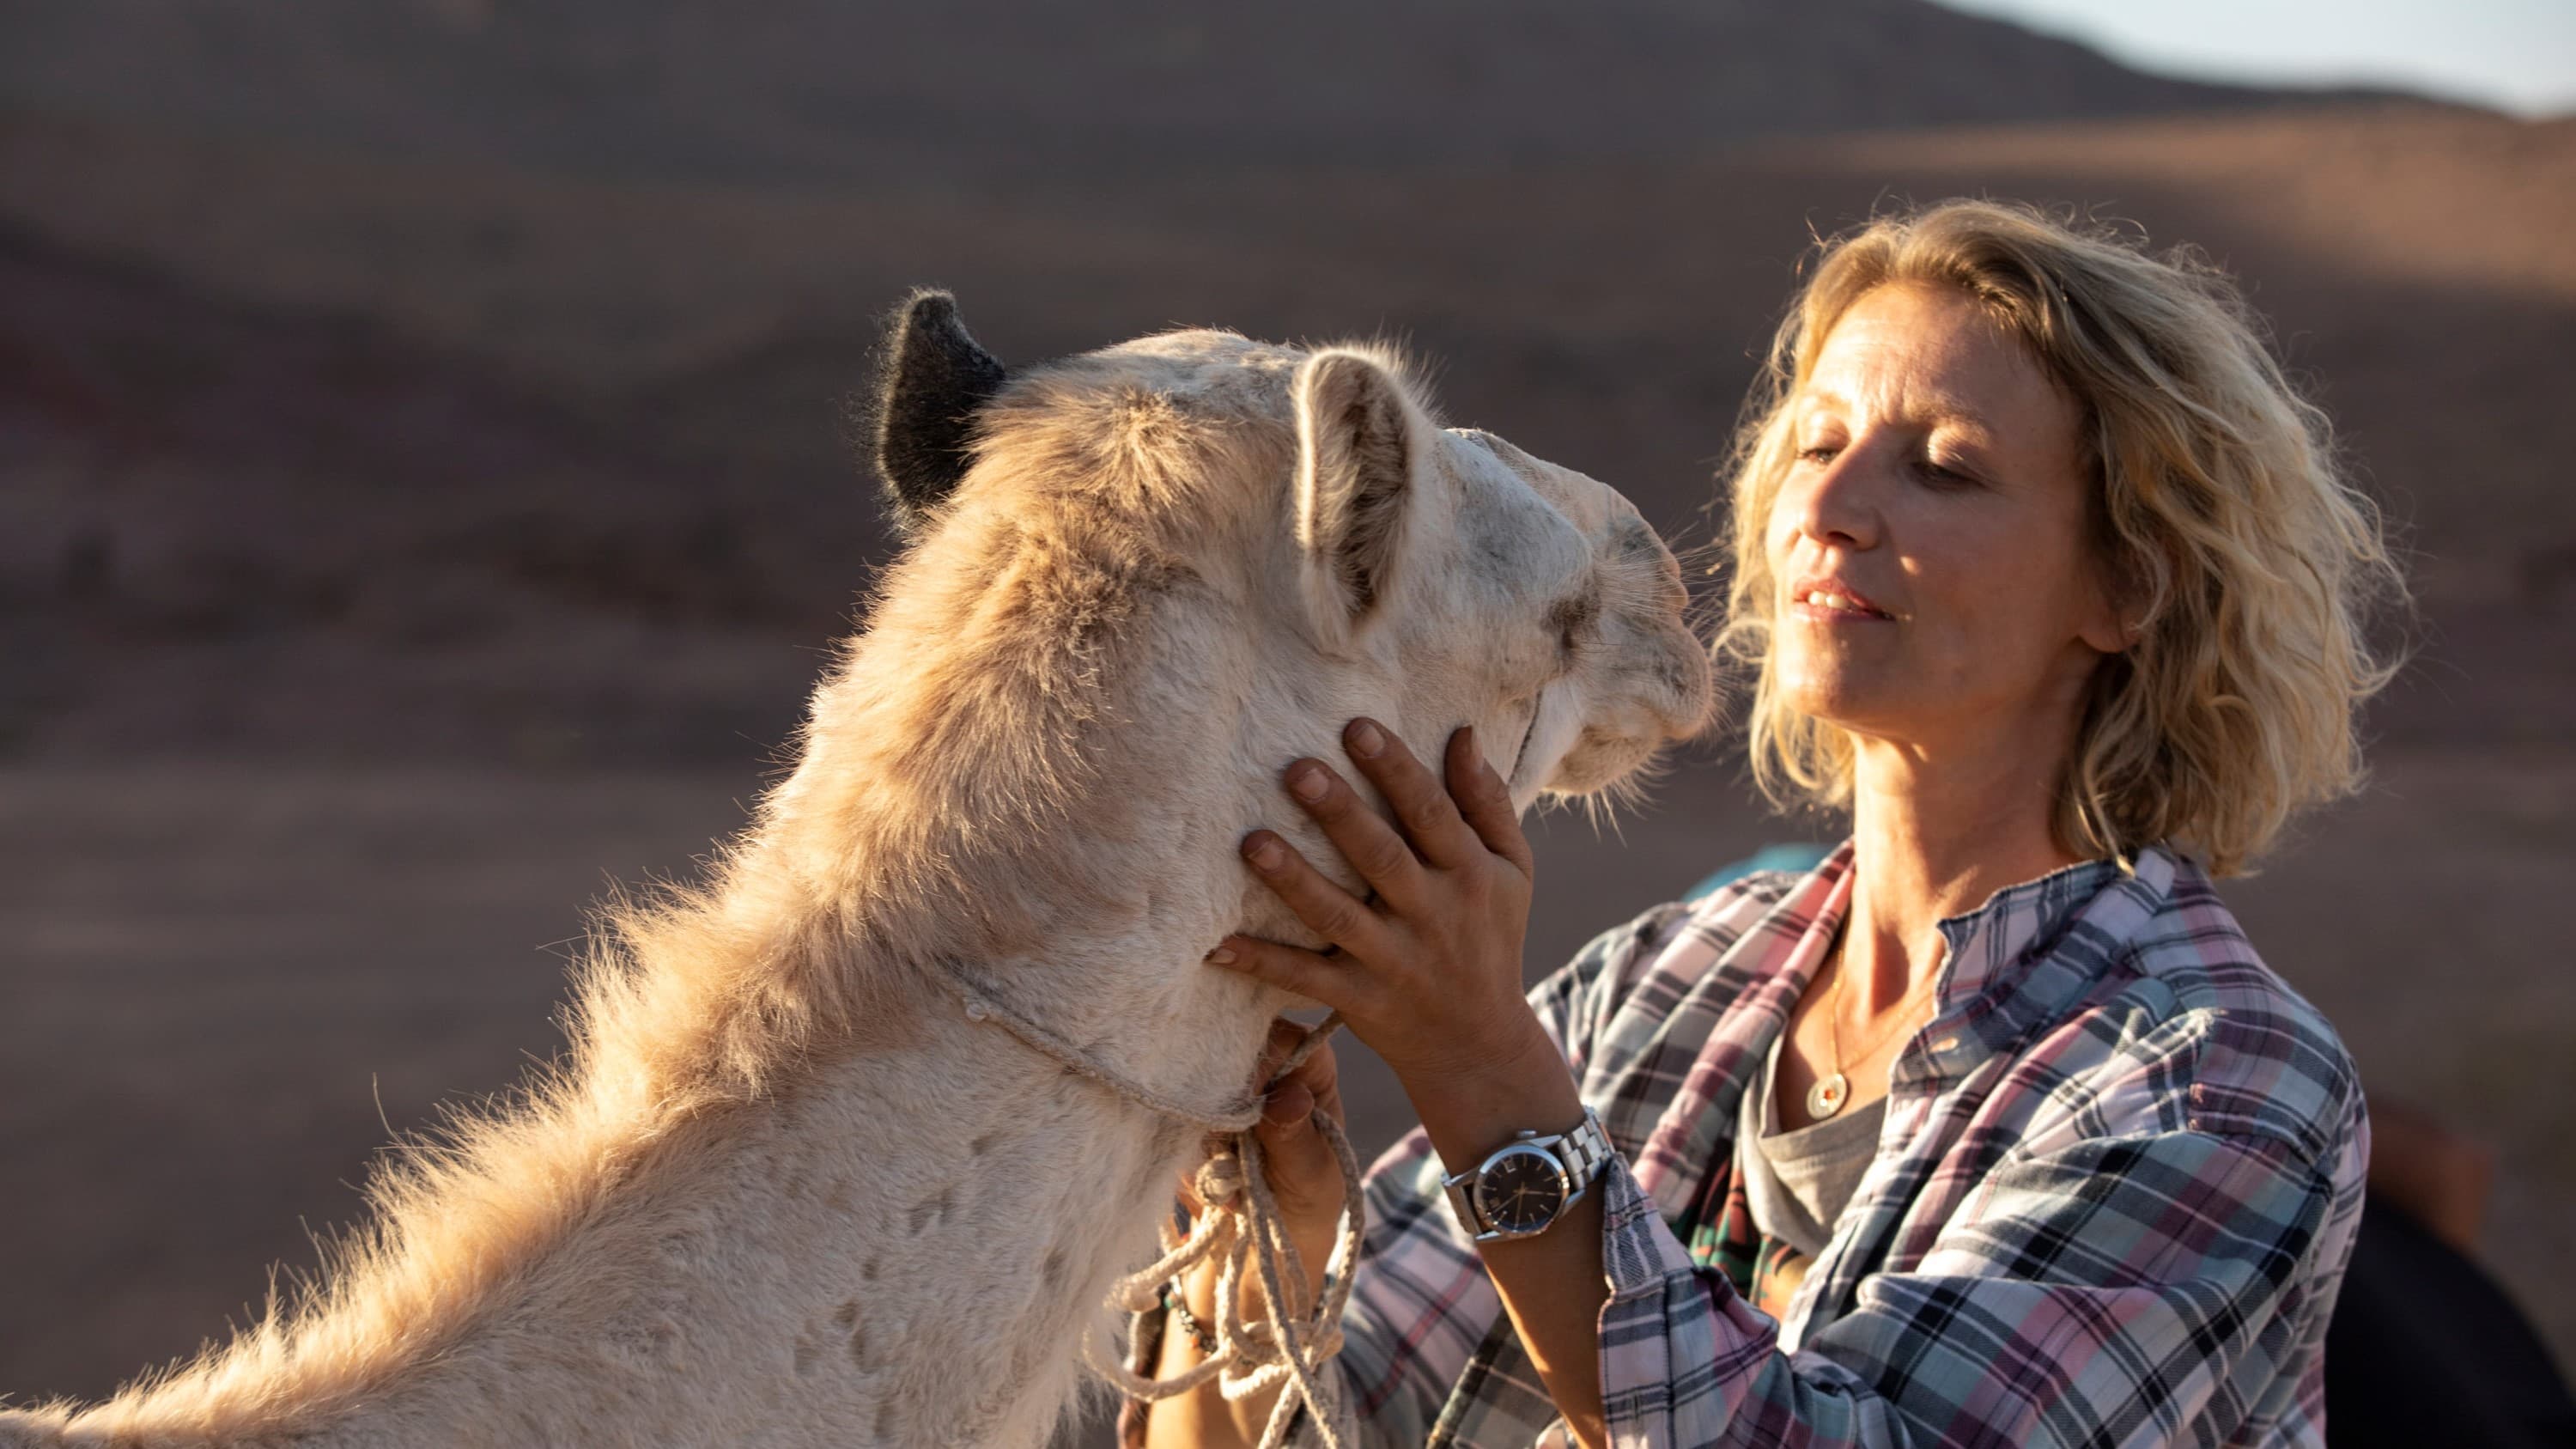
1244,1232
1218,1179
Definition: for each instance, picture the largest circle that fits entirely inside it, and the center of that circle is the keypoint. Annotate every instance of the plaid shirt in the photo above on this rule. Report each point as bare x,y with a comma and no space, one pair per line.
2115,1191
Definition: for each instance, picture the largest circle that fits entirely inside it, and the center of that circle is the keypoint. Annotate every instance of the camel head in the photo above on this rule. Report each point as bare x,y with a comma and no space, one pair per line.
1136,583
1233,547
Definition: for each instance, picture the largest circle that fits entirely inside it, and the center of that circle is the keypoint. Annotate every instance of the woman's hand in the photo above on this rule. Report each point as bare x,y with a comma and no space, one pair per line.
1306,1182
1305,1177
1428,972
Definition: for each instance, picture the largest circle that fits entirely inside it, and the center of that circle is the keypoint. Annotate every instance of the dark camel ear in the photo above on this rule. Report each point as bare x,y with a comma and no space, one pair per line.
933,380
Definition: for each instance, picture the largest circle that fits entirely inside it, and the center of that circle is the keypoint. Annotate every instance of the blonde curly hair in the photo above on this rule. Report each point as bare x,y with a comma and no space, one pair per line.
2228,532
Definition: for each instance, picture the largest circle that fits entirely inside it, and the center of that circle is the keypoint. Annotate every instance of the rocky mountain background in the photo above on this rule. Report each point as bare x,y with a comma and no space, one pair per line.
807,92
423,496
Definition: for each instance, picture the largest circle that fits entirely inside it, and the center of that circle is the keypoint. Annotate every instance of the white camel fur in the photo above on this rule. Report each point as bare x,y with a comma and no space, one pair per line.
781,1191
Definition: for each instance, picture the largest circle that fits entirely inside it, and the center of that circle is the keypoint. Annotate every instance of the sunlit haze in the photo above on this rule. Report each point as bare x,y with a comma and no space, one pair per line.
2515,55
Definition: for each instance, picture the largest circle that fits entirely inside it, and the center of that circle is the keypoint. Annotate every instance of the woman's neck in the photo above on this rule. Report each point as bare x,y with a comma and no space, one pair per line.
1935,834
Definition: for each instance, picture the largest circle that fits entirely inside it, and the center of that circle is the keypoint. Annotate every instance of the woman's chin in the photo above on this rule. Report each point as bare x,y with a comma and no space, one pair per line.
1834,698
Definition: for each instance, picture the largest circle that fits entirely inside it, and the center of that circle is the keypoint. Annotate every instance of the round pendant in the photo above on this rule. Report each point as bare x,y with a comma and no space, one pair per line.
1827,1096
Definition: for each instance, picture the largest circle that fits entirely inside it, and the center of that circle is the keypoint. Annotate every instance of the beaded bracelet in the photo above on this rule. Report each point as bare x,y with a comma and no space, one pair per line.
1189,1322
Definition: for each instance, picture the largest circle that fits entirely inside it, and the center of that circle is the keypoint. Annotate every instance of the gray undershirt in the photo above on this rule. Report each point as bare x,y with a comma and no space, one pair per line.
1796,1183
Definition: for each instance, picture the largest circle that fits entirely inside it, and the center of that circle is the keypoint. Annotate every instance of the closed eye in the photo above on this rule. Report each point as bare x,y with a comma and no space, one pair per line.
1569,617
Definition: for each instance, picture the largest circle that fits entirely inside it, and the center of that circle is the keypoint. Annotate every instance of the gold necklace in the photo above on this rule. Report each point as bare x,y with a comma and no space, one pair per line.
1828,1093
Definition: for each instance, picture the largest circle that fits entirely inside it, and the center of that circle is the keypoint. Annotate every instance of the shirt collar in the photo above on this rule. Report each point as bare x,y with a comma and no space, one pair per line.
2015,961
2011,964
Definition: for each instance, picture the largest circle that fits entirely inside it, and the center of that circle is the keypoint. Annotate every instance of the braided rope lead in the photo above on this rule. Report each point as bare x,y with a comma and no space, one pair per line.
1240,1226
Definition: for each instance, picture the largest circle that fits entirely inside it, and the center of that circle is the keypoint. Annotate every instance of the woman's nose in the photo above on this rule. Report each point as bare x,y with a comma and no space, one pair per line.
1835,502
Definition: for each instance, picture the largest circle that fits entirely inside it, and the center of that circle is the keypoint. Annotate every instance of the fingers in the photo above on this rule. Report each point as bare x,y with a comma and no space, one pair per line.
1310,974
1285,1035
1288,1135
1287,1106
1422,807
1372,846
1298,1161
1485,802
1432,816
1326,908
1319,1073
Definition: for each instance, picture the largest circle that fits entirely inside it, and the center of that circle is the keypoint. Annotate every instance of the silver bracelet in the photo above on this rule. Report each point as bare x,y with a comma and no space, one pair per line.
1179,1309
1188,1321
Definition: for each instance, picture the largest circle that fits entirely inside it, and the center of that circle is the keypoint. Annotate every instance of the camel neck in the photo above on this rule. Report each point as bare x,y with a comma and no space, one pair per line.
786,1268
803,1259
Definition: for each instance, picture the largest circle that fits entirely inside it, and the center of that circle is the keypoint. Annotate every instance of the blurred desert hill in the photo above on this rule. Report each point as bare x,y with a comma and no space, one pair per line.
415,502
405,412
803,91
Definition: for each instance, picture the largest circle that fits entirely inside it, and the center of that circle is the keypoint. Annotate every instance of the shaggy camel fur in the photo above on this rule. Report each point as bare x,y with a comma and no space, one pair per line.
782,1191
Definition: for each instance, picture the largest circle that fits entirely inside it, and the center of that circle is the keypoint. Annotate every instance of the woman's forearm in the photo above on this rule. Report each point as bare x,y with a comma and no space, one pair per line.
1428,972
1202,1418
1552,1285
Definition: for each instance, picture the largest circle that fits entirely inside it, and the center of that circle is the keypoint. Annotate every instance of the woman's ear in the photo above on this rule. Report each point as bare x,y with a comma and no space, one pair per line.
2116,618
1361,445
2125,580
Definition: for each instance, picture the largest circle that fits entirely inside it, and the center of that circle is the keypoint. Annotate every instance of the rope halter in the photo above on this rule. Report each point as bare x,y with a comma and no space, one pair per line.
1239,1225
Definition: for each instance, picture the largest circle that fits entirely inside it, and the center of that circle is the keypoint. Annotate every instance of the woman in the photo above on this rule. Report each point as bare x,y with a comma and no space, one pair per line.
1992,1128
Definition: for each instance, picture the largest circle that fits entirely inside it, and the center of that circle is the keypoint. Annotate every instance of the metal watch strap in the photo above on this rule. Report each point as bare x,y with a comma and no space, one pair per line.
1582,1151
1586,1150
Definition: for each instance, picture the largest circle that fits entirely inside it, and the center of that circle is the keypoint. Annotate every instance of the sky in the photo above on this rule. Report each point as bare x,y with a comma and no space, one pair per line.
2515,55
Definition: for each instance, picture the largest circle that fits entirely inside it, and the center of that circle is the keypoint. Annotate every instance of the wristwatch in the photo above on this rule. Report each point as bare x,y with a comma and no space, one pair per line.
1528,1183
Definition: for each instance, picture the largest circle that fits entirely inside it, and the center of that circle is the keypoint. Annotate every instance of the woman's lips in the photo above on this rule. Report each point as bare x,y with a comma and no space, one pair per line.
1834,602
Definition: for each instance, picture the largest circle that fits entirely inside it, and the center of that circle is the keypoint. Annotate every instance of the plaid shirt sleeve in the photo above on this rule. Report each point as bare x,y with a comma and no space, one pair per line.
2098,1294
1422,1307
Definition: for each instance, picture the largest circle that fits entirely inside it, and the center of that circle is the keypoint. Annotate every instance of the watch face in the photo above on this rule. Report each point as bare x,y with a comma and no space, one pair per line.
1521,1190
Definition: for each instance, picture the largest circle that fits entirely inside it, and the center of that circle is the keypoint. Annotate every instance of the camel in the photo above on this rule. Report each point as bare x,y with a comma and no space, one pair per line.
783,1188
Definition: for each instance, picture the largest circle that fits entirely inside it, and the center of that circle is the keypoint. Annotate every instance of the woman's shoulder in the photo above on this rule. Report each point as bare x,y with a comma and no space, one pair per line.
1766,873
1626,983
2218,1040
1702,925
1762,891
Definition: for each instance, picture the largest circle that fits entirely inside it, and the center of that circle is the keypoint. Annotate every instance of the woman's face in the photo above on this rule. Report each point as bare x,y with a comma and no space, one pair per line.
1929,545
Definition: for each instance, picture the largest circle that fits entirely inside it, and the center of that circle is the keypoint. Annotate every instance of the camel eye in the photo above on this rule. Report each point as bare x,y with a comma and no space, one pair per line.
1568,617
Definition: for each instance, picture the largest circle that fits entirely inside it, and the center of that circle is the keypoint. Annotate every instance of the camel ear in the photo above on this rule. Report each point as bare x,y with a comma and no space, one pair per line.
933,380
1361,439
